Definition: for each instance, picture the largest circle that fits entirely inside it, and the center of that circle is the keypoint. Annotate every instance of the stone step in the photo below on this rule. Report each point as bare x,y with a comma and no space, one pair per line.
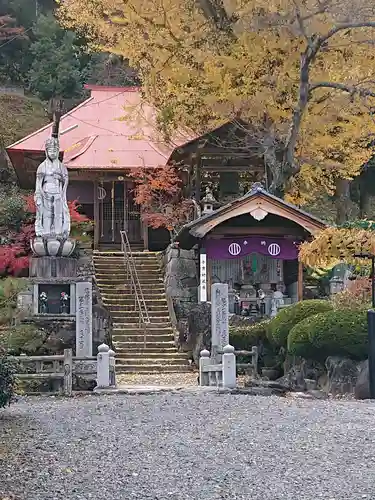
150,328
151,361
133,310
125,305
152,348
123,325
132,321
118,254
123,264
124,368
127,289
139,338
124,298
119,280
136,330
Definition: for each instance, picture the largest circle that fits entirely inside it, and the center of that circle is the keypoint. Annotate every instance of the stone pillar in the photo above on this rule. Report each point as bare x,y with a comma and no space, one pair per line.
84,319
202,275
219,319
102,376
204,361
229,367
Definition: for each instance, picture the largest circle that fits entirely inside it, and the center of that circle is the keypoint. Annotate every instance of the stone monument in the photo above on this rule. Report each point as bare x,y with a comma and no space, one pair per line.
219,319
60,294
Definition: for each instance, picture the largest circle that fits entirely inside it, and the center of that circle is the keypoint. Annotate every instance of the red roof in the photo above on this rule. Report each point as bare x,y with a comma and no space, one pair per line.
114,128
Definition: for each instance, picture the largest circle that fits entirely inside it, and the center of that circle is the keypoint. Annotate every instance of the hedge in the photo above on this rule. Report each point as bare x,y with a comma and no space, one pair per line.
333,333
7,379
286,319
245,336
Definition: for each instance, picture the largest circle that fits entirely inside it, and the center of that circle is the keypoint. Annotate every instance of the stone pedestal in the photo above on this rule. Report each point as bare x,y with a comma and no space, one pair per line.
52,267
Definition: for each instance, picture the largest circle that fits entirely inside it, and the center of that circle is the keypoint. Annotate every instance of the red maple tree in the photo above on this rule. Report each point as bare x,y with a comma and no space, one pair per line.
8,30
158,191
15,252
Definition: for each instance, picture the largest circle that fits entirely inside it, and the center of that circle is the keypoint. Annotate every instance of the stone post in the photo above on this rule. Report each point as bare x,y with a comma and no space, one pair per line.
112,368
102,377
204,361
229,367
68,372
219,319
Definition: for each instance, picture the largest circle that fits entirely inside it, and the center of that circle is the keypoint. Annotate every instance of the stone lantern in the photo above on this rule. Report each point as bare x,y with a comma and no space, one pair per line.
209,202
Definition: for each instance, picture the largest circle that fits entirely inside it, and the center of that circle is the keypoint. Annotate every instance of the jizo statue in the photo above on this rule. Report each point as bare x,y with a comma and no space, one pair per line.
52,212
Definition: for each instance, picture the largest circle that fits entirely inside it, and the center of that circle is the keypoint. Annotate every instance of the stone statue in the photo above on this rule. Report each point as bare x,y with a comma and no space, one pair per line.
52,212
52,222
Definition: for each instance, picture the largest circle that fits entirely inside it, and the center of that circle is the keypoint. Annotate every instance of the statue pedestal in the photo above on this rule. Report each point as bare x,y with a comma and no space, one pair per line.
52,247
52,267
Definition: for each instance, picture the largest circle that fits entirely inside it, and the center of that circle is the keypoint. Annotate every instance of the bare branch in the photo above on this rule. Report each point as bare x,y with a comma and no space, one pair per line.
344,88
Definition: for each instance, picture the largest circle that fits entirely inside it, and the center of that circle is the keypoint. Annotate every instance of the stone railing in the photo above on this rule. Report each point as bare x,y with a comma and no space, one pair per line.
224,374
62,368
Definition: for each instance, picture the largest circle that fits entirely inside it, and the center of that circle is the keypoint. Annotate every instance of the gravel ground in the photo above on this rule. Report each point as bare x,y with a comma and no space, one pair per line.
165,379
187,446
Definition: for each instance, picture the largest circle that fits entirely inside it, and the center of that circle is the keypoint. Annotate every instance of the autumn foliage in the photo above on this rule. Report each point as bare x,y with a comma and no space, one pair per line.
158,192
15,243
339,244
298,71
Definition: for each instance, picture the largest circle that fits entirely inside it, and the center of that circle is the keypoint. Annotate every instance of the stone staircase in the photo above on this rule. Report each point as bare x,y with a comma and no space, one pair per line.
132,355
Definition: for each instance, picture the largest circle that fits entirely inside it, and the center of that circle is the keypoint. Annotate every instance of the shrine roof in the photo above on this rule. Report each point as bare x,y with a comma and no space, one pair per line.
112,129
257,201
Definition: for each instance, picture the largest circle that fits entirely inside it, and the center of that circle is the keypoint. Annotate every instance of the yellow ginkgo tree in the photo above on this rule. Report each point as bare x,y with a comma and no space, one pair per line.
299,72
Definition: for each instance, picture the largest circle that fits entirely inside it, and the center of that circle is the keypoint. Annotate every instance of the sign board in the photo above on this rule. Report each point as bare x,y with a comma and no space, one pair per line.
203,276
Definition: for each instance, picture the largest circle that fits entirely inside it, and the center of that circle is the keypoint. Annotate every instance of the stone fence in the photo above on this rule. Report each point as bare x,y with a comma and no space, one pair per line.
62,371
224,374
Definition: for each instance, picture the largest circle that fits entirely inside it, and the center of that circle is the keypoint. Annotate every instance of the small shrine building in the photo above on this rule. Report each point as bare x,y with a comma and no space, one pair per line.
251,244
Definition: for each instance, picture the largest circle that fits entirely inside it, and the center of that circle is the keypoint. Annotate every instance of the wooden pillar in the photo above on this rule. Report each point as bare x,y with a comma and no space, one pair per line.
198,179
96,215
300,281
125,226
145,236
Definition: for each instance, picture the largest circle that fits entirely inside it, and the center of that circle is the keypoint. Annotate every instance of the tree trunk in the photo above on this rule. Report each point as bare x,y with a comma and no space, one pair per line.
342,200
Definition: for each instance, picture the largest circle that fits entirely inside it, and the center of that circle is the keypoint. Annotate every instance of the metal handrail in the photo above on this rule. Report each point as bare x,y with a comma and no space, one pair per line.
135,284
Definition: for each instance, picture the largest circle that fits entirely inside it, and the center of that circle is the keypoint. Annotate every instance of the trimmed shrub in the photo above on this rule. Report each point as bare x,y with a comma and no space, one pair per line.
333,333
280,326
7,379
246,336
298,339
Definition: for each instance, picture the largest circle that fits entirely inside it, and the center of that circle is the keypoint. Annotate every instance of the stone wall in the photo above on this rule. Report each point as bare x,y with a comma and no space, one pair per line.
180,279
192,321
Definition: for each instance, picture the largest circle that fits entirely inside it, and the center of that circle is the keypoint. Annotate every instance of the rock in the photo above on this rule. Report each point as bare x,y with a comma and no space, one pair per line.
266,387
180,275
199,330
342,375
297,370
362,387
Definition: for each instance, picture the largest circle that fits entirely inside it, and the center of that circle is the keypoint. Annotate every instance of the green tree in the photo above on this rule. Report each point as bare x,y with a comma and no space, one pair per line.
57,68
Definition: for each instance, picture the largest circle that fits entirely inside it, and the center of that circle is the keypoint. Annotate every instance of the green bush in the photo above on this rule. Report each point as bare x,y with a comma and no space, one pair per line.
7,379
332,333
22,339
280,326
244,337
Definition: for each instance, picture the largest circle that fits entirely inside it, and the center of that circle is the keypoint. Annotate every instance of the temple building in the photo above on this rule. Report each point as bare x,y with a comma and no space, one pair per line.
242,235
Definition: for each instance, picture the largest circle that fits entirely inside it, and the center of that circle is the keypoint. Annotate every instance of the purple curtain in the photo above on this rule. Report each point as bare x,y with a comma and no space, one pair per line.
233,248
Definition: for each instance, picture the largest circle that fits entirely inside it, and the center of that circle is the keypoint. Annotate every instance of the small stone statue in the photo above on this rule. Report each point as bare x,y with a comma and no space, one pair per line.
52,212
